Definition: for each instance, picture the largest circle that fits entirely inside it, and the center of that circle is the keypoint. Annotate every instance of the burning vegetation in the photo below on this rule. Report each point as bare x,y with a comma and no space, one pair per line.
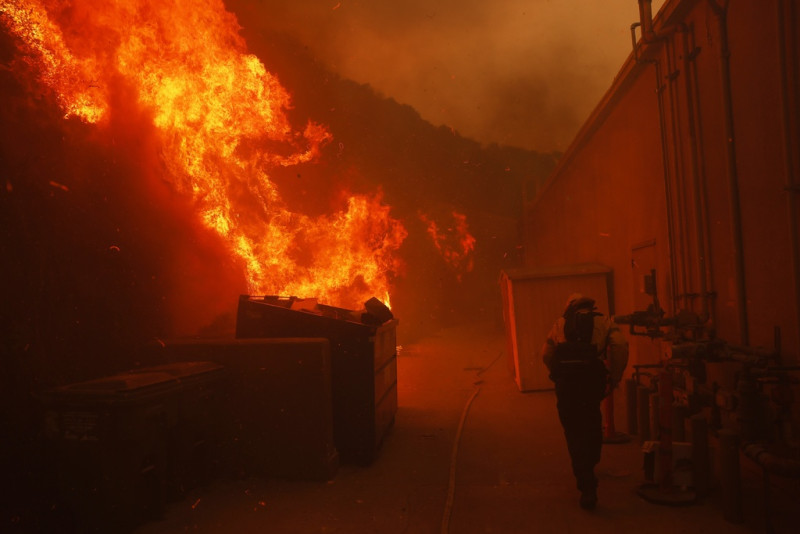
454,243
155,168
221,124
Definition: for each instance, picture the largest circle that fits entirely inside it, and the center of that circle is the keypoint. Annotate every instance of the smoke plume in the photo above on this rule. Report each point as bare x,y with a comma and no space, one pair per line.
515,72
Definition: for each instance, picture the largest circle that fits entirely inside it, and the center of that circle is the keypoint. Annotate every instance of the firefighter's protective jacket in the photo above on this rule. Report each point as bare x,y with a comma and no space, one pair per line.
605,336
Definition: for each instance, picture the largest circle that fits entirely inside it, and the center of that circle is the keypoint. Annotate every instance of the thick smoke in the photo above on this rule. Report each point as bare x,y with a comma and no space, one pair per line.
523,73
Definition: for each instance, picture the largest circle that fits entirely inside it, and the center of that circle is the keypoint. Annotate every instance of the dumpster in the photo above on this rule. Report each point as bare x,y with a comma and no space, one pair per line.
195,432
363,348
123,444
278,411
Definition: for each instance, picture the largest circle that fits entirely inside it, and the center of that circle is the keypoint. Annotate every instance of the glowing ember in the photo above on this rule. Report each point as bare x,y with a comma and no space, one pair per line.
456,244
215,108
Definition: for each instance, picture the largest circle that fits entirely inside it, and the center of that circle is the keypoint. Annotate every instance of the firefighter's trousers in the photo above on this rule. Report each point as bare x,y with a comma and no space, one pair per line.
578,402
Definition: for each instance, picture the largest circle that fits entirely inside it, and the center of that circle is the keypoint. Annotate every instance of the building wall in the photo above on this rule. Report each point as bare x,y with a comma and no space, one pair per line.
662,177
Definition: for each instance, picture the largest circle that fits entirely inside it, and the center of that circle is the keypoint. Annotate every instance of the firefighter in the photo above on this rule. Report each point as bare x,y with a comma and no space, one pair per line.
586,356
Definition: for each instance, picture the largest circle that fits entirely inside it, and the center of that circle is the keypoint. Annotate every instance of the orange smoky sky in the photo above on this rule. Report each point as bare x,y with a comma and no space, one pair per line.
523,73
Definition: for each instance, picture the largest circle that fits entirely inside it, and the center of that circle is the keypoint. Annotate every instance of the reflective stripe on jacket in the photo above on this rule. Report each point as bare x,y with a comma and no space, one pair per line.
605,336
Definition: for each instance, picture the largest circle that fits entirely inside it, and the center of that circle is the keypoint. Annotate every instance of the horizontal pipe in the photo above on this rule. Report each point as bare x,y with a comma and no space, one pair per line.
778,465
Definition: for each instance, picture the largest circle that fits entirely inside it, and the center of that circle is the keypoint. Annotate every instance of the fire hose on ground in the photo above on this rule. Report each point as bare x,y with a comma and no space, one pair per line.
451,485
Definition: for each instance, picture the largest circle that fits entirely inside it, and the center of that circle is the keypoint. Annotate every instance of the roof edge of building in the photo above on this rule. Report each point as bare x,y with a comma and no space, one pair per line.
670,12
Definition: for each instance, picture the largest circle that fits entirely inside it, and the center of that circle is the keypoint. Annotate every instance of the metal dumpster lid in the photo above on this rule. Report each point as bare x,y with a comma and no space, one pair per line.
307,305
311,307
123,382
134,385
139,380
183,370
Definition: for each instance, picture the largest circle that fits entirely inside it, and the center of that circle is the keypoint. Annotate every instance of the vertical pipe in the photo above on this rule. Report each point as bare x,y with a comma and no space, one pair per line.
730,476
630,403
789,43
703,189
698,178
678,423
633,41
732,172
643,398
674,290
701,469
648,36
646,19
678,175
666,400
653,404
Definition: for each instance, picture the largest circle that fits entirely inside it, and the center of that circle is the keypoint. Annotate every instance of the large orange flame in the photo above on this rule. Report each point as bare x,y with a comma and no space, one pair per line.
215,108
